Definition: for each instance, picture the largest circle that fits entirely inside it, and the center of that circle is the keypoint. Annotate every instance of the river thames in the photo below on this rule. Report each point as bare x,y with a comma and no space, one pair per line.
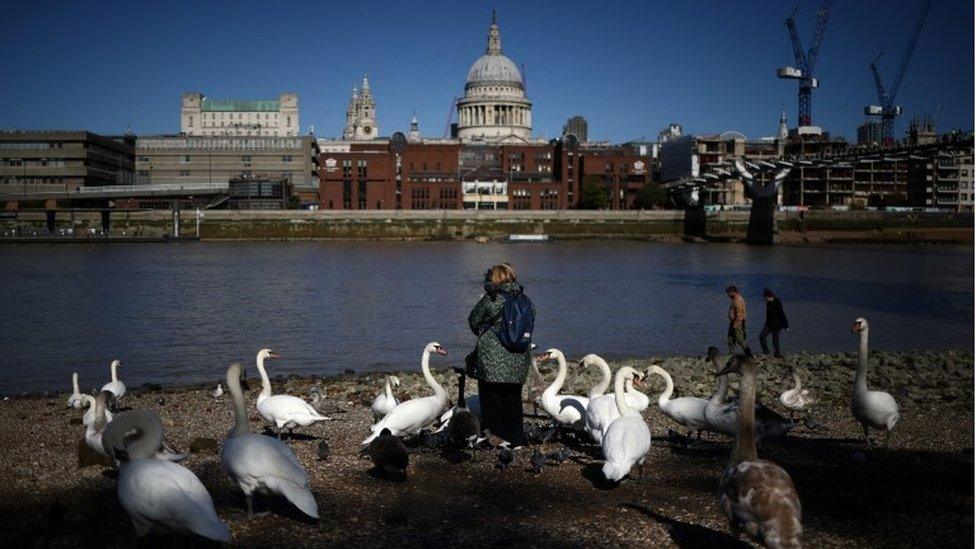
180,313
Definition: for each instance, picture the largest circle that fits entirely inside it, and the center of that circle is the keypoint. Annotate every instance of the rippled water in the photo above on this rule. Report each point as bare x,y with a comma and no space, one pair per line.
182,312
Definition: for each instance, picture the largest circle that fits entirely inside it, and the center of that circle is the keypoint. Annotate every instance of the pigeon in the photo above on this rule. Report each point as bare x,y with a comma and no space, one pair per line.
218,392
324,450
505,458
538,461
560,455
161,400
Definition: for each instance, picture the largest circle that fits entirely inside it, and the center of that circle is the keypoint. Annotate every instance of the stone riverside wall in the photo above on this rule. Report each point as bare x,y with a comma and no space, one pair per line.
471,225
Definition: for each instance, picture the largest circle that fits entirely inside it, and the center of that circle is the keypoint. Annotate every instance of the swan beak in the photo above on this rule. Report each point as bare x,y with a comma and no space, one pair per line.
637,382
441,351
543,357
855,328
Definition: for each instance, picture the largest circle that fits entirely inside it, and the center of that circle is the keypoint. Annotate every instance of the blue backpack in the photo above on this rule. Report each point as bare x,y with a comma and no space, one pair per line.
518,322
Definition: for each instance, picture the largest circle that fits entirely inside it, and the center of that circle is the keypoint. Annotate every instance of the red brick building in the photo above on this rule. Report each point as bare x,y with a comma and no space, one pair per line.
450,175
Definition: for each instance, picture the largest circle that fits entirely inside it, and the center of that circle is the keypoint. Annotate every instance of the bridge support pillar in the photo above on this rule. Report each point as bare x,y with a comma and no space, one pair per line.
762,221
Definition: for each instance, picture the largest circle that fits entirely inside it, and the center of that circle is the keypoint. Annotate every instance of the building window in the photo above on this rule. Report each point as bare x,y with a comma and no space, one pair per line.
184,173
191,120
143,159
185,158
286,158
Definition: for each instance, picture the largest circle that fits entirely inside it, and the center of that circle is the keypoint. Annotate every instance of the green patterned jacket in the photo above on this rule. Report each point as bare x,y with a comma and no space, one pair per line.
494,363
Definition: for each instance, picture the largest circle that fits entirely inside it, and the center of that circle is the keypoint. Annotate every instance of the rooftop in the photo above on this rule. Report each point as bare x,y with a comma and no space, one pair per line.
240,105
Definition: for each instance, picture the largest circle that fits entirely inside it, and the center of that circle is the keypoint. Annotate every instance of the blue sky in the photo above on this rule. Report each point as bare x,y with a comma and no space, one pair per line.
628,67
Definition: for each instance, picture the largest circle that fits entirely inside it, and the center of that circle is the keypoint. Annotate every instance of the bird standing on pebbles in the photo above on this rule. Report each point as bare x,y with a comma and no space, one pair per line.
324,451
537,461
218,392
388,454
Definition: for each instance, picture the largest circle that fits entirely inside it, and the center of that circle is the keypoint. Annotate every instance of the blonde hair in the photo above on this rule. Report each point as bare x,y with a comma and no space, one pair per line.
500,274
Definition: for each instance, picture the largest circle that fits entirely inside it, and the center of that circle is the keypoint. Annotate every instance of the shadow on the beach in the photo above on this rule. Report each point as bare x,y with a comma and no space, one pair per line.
594,474
685,534
289,436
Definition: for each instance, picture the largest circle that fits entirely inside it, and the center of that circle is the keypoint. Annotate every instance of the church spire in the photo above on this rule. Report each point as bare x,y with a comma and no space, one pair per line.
365,83
494,37
784,130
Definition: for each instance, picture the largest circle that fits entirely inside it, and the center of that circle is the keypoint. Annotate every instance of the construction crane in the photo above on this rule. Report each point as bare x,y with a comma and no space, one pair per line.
886,107
805,62
450,117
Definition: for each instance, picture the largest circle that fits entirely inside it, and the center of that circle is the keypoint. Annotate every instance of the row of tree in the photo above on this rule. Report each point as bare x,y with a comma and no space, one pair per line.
594,196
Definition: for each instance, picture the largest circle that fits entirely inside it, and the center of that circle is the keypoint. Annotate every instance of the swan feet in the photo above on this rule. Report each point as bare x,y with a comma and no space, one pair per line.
250,508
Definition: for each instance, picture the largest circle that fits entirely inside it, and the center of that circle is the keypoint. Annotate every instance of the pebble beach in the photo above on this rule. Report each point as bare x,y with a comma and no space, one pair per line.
916,491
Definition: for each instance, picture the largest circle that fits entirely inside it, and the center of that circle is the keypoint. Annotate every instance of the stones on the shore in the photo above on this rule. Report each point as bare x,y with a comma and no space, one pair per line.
203,445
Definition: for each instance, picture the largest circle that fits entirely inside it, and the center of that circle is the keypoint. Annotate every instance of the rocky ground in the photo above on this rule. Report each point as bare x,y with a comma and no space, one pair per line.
916,492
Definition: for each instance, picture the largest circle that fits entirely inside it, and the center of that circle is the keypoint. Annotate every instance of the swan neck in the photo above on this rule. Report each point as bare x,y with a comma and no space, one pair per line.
74,383
425,366
620,396
861,378
745,440
115,372
604,384
241,425
796,381
557,384
389,390
461,403
265,382
100,421
147,445
662,401
721,390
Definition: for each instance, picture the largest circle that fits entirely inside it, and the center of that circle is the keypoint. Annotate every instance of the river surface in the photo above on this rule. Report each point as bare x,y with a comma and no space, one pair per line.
181,312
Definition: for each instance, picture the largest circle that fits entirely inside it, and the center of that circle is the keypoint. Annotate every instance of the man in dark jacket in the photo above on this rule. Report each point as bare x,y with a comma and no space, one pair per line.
775,321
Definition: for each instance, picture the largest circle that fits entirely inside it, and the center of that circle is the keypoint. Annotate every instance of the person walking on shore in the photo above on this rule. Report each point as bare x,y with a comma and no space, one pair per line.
500,369
775,321
737,321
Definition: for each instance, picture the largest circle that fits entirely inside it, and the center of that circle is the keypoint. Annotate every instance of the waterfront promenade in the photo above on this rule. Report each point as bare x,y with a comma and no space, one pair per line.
813,227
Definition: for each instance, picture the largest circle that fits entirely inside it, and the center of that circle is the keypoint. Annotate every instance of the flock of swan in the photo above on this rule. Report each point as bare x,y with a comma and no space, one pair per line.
756,495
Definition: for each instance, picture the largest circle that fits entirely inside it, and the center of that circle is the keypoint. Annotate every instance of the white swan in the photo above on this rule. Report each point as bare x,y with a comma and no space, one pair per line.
90,414
261,464
75,400
606,377
116,387
628,438
569,410
689,412
385,401
96,423
723,417
409,417
160,496
601,410
874,409
757,496
284,411
796,399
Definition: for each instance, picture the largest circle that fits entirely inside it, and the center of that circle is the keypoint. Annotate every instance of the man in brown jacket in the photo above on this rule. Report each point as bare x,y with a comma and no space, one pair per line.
737,321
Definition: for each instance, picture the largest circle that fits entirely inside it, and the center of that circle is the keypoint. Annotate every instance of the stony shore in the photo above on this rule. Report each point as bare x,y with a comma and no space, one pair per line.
916,492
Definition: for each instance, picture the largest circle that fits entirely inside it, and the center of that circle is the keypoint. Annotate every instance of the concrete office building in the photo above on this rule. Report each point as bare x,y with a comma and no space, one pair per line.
62,161
181,160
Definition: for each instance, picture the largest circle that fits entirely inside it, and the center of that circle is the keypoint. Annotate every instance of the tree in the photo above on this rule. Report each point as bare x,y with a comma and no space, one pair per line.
650,197
593,194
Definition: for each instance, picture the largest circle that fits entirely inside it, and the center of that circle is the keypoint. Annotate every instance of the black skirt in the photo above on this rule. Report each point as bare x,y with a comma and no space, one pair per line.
501,410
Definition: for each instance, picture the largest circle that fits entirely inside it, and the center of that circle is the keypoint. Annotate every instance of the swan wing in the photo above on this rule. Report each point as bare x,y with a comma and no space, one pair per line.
170,497
117,388
284,408
252,458
408,417
759,498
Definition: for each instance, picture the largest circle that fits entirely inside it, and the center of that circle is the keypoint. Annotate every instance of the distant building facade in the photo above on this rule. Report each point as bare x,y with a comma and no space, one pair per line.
577,127
203,116
361,115
870,132
449,174
179,160
62,161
